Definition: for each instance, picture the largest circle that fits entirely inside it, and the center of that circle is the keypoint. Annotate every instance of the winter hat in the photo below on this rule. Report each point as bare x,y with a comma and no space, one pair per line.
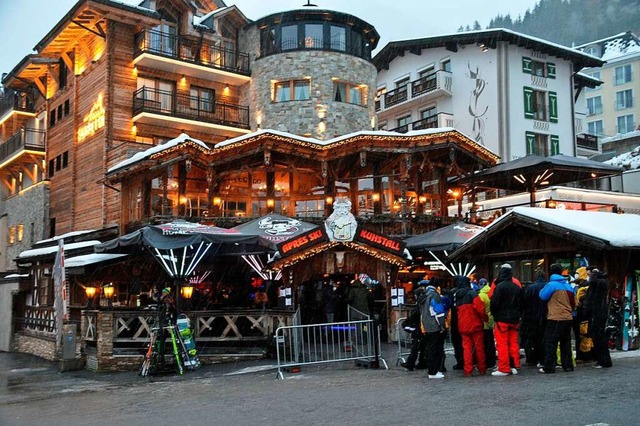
482,282
506,266
556,268
423,283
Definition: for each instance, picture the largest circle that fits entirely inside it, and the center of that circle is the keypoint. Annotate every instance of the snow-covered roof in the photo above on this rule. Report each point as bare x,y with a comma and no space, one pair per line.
183,138
628,160
198,20
611,228
16,276
616,46
52,249
88,259
67,235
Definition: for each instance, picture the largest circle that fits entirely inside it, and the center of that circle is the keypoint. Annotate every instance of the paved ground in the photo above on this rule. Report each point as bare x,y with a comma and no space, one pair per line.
32,392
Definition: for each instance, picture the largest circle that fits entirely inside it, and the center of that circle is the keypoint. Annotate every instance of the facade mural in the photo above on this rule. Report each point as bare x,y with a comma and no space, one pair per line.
476,104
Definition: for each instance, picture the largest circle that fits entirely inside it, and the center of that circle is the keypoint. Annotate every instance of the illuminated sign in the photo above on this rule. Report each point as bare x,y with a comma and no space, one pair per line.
93,121
380,241
302,242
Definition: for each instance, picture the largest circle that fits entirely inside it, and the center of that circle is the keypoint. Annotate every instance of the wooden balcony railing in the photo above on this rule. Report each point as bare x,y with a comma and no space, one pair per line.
25,139
172,104
183,49
16,100
42,319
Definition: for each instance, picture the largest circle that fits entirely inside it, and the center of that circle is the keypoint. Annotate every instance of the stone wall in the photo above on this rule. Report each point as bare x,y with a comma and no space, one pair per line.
322,68
29,208
38,344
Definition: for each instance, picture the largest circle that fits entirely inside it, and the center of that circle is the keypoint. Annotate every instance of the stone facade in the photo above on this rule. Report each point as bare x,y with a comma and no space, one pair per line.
38,344
304,117
30,209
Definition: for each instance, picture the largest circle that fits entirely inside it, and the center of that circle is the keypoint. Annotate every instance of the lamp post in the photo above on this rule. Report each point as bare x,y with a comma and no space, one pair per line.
108,290
186,291
90,291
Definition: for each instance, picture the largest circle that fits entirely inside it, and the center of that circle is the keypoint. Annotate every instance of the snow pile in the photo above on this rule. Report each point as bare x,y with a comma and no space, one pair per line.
628,160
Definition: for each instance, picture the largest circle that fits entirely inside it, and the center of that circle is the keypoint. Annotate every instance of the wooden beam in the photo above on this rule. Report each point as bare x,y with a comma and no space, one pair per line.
78,23
41,88
28,172
67,60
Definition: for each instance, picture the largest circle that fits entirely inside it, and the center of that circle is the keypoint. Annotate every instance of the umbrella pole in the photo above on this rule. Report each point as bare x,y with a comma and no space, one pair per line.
177,285
532,195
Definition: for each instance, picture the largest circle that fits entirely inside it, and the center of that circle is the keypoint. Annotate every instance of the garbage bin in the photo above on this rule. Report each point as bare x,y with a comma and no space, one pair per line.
69,341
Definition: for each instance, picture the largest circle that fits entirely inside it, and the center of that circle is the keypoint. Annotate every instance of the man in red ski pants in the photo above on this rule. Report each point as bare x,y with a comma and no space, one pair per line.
506,308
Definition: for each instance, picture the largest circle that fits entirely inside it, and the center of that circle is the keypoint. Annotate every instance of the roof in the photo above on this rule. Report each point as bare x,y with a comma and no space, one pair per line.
490,38
44,251
90,259
615,46
583,227
628,160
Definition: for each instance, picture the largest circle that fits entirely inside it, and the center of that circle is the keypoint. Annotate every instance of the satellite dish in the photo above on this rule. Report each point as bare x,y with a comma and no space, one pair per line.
309,4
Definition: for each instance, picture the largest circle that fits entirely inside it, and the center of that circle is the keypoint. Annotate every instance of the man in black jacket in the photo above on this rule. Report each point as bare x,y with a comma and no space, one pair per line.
506,308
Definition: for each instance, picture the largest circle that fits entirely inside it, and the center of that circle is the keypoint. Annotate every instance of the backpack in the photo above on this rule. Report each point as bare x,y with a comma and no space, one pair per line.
438,310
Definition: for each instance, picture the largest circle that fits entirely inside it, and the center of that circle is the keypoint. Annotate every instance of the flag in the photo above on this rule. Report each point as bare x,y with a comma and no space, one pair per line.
60,286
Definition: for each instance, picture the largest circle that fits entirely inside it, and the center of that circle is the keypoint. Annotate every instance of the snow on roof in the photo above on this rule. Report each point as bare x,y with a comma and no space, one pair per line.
183,138
616,232
16,276
198,20
63,236
628,160
88,259
615,46
52,249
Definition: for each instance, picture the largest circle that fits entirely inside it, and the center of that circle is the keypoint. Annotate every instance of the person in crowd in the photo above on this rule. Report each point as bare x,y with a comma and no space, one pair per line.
596,308
489,342
412,325
584,343
456,338
433,313
495,281
535,319
359,297
471,319
330,298
506,308
561,303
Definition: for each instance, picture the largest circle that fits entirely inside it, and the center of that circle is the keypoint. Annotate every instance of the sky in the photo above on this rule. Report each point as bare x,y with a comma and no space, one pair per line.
23,23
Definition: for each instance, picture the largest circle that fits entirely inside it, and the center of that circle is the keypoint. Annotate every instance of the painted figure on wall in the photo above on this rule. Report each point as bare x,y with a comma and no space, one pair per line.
341,224
475,109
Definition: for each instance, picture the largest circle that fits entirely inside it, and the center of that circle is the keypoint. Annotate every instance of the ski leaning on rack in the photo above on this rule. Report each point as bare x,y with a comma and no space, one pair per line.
626,326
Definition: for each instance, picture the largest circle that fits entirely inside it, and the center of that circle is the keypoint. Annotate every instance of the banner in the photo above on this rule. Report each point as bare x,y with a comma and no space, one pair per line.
60,288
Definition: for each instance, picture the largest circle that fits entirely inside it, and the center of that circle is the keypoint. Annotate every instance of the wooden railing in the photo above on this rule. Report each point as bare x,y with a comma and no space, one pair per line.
31,139
36,318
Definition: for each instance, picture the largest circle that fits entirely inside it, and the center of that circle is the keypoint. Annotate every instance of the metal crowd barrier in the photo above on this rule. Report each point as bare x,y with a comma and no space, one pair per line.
328,343
404,342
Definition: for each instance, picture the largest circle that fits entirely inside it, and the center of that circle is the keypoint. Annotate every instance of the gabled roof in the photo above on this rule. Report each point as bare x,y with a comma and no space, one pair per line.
615,46
489,38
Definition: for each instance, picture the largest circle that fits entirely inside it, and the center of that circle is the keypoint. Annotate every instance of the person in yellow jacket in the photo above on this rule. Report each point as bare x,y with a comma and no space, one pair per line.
489,341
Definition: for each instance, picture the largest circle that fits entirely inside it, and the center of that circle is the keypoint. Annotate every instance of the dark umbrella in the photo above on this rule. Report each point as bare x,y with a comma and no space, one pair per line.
533,172
447,238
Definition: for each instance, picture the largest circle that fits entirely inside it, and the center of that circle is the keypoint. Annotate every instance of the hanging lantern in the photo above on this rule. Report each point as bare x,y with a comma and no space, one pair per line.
108,290
90,291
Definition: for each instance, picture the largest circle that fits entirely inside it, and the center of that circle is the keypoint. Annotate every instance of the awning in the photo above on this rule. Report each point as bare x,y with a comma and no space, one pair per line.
90,259
33,254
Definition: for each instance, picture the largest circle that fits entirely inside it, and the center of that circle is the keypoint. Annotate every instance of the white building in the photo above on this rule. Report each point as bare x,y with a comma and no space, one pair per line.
513,93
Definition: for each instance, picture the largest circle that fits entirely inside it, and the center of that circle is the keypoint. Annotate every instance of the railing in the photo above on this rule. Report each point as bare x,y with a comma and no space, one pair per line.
172,46
172,104
438,80
37,318
587,142
16,100
24,139
432,122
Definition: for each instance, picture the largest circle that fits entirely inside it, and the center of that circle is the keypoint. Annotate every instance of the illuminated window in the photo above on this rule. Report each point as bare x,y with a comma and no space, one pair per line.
20,232
12,235
348,93
296,90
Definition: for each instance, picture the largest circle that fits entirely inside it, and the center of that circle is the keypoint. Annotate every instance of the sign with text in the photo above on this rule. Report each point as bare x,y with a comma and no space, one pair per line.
380,241
93,121
302,242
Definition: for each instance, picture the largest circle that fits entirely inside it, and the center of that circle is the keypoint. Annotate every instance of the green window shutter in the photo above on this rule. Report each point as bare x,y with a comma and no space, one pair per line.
531,142
528,102
526,65
553,107
555,144
551,70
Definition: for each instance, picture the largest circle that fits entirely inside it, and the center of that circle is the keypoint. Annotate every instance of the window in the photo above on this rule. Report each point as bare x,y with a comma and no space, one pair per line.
20,232
52,117
289,39
426,73
12,235
539,105
62,75
446,65
268,40
625,124
65,159
202,99
59,112
155,94
543,145
594,105
624,99
313,36
403,123
296,90
622,74
594,75
429,112
66,107
163,39
51,168
538,69
595,128
349,93
338,38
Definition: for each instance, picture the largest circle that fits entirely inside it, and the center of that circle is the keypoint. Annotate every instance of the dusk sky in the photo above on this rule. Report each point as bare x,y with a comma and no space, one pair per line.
23,23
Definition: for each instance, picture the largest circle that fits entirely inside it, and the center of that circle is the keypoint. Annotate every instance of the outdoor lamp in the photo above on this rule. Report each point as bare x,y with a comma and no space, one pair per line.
186,290
329,200
271,202
108,290
551,203
90,291
375,197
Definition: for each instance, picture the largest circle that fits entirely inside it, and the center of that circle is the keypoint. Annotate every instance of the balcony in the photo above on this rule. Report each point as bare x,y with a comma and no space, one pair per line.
162,108
17,102
26,140
433,122
179,55
429,87
589,142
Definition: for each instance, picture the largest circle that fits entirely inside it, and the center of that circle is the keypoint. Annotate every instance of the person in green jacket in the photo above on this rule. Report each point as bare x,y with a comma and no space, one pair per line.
359,297
489,342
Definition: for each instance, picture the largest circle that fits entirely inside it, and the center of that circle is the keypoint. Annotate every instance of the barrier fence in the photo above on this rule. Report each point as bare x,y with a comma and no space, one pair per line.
357,340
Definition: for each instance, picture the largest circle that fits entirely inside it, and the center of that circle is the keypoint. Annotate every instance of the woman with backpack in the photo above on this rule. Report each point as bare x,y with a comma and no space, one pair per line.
433,313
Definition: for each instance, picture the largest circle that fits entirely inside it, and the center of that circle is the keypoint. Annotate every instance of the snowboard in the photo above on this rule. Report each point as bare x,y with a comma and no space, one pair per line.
615,318
626,326
633,319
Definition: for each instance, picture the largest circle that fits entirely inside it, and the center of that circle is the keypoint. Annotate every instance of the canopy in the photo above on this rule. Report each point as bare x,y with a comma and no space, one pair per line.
446,238
275,227
179,246
533,171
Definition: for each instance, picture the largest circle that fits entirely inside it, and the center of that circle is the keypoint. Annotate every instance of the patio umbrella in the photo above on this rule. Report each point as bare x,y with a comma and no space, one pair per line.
533,172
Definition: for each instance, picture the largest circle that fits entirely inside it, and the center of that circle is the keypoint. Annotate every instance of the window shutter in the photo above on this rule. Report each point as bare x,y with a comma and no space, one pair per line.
555,145
531,142
551,70
528,102
526,65
553,107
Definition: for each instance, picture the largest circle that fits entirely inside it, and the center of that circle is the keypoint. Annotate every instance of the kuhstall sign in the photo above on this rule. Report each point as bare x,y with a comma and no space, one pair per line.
93,121
380,241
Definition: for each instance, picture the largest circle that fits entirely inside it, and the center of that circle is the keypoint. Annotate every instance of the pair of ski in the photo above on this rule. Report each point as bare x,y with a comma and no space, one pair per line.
629,323
180,351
